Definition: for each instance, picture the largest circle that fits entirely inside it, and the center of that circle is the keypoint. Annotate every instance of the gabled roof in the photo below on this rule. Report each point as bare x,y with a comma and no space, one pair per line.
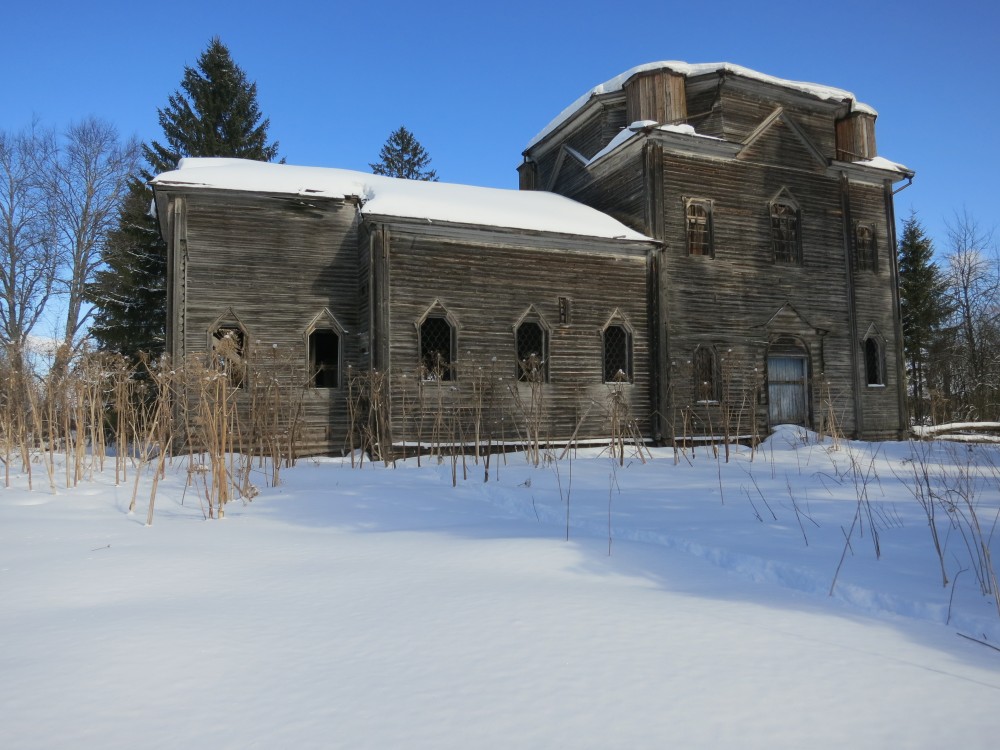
816,90
408,199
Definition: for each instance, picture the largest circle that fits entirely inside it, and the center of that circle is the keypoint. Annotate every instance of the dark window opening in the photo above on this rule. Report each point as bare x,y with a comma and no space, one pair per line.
705,374
437,353
699,228
785,236
228,351
565,310
865,248
874,367
617,354
532,362
324,358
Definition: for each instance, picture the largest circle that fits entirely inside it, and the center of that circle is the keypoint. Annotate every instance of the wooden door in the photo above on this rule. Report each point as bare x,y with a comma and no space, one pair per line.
786,390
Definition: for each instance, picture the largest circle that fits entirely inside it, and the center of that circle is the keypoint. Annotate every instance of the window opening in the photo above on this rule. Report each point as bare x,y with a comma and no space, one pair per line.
437,355
699,228
874,366
617,354
785,235
324,358
532,362
705,374
865,249
565,310
228,351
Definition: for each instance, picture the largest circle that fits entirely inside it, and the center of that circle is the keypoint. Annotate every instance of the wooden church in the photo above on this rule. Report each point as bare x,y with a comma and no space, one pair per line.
696,251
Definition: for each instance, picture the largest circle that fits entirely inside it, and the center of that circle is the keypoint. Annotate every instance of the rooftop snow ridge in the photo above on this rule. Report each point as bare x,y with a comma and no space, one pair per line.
533,210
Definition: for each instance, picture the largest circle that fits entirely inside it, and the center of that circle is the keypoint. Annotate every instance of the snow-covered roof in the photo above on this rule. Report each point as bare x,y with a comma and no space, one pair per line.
412,199
689,69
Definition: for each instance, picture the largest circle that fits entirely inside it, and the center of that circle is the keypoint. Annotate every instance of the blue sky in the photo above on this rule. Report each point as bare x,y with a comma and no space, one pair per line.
475,83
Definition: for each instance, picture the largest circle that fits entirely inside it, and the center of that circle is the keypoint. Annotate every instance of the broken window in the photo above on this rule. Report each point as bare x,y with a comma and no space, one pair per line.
865,249
617,354
324,358
874,362
705,371
699,228
786,240
229,353
437,349
532,355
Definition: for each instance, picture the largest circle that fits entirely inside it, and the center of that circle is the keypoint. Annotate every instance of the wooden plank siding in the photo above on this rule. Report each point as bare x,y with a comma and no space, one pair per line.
875,313
779,144
274,264
727,300
487,281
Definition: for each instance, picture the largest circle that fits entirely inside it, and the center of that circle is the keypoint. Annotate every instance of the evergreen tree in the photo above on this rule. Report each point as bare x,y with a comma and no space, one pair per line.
214,113
923,304
129,290
403,156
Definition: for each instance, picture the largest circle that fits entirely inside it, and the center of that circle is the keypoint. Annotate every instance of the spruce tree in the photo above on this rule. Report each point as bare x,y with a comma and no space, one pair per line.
214,113
923,306
129,290
403,156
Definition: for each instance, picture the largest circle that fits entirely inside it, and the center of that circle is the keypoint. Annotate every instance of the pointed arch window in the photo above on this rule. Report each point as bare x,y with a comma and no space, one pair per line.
874,361
324,351
616,340
531,340
227,341
437,342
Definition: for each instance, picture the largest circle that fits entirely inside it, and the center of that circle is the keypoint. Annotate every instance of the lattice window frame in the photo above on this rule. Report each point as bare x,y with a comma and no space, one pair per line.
699,224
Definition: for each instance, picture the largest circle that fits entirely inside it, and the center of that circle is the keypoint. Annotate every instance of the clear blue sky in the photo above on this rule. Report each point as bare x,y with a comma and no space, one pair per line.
475,82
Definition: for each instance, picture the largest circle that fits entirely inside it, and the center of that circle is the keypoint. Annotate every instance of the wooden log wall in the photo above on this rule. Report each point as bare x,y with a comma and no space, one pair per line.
727,301
273,263
875,313
487,285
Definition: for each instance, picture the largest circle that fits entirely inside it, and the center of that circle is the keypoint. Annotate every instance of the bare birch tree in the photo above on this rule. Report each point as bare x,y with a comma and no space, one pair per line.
973,359
89,181
28,251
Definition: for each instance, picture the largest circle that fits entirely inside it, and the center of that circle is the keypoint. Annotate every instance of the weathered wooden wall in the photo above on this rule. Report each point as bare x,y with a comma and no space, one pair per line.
732,301
272,263
487,281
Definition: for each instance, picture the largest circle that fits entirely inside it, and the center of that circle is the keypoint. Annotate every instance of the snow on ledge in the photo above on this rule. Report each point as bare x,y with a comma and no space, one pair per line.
879,162
532,210
688,69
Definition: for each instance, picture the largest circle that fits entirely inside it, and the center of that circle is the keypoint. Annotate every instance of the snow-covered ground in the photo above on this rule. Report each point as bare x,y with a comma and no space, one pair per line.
384,608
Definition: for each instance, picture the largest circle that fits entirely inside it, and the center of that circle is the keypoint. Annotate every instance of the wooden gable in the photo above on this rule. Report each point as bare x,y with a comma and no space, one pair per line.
780,140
